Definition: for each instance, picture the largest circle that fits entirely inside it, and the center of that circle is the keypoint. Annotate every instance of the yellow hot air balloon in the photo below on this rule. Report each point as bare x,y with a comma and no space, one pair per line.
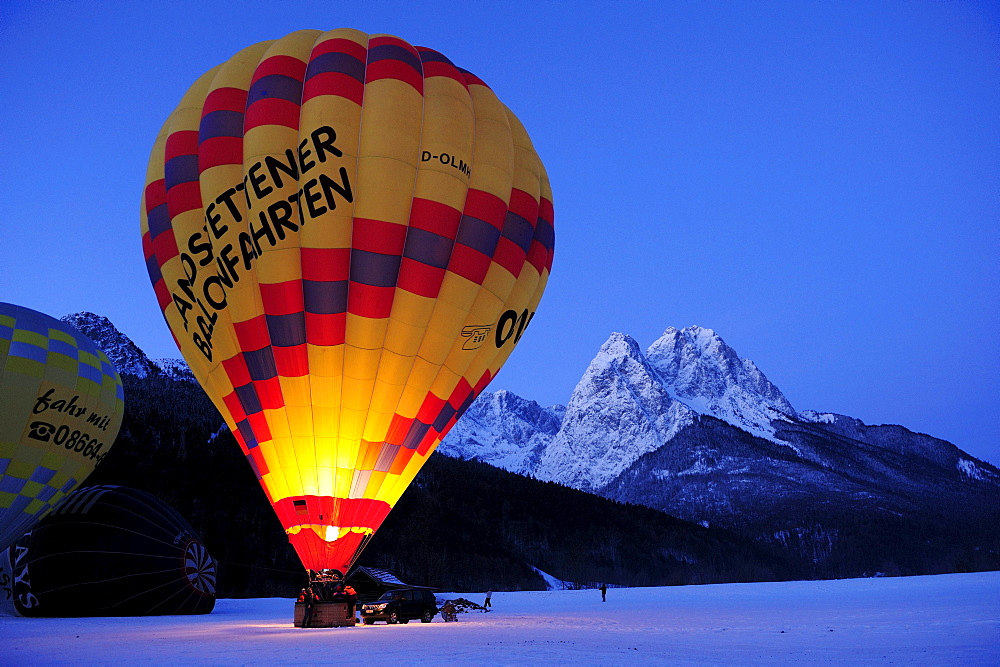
61,405
347,236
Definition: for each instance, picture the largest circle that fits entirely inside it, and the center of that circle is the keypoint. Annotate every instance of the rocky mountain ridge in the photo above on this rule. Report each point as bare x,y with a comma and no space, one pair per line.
637,402
691,429
123,353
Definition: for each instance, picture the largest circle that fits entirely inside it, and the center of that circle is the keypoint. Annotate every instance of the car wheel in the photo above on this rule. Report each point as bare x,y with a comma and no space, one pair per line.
427,617
392,617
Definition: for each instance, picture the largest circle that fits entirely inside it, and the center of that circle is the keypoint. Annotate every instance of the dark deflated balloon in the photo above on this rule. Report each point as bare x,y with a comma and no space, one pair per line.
112,551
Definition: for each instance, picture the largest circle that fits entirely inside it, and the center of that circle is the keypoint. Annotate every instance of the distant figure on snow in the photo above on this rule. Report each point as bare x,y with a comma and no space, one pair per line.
449,612
489,594
604,592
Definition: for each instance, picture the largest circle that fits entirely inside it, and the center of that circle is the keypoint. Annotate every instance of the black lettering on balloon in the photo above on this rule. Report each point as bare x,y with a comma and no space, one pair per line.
263,232
330,186
198,246
43,402
448,159
323,138
280,214
305,164
248,250
99,421
227,266
216,297
191,271
227,199
182,307
74,440
310,198
199,342
255,182
276,167
272,225
512,324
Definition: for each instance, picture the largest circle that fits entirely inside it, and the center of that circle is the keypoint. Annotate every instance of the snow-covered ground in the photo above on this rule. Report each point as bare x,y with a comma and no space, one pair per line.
946,619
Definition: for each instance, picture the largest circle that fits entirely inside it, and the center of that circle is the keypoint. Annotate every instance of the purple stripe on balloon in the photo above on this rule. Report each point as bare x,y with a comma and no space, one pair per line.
428,247
243,426
545,234
286,330
342,63
386,457
159,221
181,169
275,86
432,56
518,230
375,269
253,464
260,364
447,412
416,433
221,124
325,297
478,235
394,52
251,406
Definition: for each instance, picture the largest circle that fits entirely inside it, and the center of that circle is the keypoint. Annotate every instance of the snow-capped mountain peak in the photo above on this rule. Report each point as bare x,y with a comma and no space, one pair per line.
503,429
618,412
699,369
617,346
123,353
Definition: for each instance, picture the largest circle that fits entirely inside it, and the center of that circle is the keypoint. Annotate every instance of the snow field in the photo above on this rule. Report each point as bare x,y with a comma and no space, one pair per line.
945,619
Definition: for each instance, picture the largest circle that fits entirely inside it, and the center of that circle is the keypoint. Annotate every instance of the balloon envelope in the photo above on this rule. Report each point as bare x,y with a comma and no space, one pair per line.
61,405
112,551
347,236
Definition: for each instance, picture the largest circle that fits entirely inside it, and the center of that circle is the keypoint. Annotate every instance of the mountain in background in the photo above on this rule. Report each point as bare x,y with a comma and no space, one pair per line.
689,428
123,353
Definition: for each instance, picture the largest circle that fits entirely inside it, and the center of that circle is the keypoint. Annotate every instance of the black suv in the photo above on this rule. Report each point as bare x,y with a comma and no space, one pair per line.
400,606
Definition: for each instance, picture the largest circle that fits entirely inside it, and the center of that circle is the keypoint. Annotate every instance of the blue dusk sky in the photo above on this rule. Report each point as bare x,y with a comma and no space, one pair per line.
818,182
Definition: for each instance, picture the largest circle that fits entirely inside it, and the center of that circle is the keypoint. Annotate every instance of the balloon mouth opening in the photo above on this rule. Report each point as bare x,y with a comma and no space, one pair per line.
329,533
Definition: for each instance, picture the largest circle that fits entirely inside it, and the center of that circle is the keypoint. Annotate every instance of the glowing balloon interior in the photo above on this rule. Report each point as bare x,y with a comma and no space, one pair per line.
61,405
347,236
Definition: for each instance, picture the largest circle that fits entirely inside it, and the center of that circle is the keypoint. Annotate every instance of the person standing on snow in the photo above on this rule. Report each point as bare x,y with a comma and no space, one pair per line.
604,592
351,596
309,601
489,594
